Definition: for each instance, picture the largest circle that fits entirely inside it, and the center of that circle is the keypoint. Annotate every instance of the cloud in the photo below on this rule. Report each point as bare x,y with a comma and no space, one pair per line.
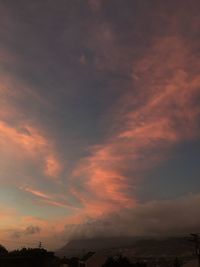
53,167
59,204
156,218
161,112
27,143
138,75
22,137
36,193
50,200
29,230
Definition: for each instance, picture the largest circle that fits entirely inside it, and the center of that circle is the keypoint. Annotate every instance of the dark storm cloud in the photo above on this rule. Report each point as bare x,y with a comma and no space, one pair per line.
29,230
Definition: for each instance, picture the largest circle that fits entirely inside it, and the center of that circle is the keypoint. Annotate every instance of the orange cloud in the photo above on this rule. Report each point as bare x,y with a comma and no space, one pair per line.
36,193
58,204
47,198
27,137
22,138
53,167
29,142
161,113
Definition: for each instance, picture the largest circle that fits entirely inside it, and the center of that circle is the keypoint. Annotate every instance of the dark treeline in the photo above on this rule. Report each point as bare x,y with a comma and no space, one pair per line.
39,257
122,261
28,257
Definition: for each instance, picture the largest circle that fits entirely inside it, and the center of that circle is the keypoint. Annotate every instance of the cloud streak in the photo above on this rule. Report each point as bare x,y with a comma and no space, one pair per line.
28,142
47,198
91,101
160,113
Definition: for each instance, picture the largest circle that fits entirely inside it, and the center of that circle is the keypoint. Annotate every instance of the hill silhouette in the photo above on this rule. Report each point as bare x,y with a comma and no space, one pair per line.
138,246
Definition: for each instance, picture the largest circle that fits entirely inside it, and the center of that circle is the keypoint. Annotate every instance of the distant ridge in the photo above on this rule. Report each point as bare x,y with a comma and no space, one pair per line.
95,244
138,246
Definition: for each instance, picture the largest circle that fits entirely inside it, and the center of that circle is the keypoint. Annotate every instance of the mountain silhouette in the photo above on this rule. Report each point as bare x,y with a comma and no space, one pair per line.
138,246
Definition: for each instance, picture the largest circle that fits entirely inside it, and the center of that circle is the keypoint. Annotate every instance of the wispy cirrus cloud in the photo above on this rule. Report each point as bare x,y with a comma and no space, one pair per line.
53,167
160,113
90,105
28,142
36,193
46,198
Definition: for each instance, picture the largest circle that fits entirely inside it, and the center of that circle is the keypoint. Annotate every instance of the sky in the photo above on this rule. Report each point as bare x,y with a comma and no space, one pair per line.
99,119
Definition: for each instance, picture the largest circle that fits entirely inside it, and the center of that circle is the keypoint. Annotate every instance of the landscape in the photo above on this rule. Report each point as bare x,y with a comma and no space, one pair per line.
99,133
107,252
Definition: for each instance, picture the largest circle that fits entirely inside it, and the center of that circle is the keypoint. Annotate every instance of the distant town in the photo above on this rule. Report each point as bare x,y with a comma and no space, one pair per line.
109,252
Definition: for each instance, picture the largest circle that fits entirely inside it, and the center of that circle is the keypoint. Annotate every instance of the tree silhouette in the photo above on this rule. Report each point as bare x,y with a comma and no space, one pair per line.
177,262
3,251
122,261
117,262
110,262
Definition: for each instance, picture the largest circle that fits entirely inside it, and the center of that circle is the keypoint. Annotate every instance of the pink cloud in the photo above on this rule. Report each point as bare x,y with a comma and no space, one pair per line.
158,112
53,167
49,199
58,204
23,138
36,193
28,142
161,112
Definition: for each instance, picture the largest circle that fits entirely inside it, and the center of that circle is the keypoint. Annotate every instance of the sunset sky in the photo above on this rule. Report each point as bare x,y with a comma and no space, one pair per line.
99,119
